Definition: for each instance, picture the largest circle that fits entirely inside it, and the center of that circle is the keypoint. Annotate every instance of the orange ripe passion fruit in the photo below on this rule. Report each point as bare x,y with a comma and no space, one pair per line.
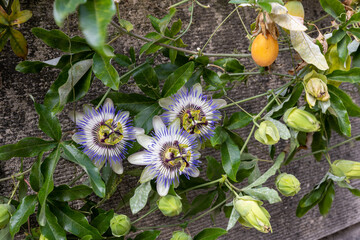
264,50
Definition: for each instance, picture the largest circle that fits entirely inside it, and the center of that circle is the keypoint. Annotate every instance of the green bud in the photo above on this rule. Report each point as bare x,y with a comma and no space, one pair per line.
287,184
350,169
120,225
316,89
170,205
253,214
267,133
301,120
4,215
42,237
179,235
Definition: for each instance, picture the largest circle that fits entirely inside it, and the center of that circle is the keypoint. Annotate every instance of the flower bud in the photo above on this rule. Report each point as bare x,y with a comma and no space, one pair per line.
170,205
316,89
179,235
120,225
287,184
267,133
42,237
253,213
350,169
301,120
4,215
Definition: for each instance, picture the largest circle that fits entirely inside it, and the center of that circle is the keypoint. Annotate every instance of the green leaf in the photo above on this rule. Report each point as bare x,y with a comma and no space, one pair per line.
24,210
270,172
238,1
211,78
334,8
318,143
219,137
36,178
231,65
246,169
342,48
126,24
354,191
47,169
352,108
105,71
144,118
5,232
62,8
139,200
213,168
352,76
163,71
210,234
75,155
164,22
26,147
4,17
282,128
20,17
230,155
147,235
58,39
64,193
200,203
265,6
234,217
195,78
146,79
176,27
52,229
102,221
18,43
94,16
336,36
4,36
339,111
264,193
326,201
73,221
133,102
122,60
238,120
48,122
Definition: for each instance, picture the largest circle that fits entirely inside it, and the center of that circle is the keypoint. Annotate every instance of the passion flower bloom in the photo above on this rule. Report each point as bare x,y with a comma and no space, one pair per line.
197,112
105,134
169,153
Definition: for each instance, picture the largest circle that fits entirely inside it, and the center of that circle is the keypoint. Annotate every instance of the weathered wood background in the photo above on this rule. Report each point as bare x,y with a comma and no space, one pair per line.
18,118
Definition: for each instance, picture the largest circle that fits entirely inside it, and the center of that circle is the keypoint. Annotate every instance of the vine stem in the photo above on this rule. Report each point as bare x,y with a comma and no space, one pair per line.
202,185
190,22
179,3
145,215
242,22
210,210
16,175
217,28
103,98
76,178
13,192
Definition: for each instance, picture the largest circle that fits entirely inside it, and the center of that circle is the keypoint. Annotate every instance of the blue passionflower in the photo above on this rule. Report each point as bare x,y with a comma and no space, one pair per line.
105,134
169,153
197,112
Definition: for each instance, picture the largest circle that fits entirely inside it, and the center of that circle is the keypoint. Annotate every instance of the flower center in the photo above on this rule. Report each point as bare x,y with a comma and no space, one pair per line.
193,120
177,156
110,135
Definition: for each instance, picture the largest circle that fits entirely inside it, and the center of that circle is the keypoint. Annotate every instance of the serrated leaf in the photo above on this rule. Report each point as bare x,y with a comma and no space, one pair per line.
105,71
210,234
73,221
230,155
279,14
309,51
234,217
73,154
48,122
18,43
270,172
47,168
62,8
94,16
264,193
26,147
139,200
24,210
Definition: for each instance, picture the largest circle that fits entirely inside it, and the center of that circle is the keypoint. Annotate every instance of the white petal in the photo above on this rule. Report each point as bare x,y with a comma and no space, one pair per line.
165,102
125,113
108,103
117,167
196,155
175,124
197,88
99,164
77,138
219,102
138,131
176,182
147,174
138,158
144,140
194,173
87,108
162,189
158,124
75,115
